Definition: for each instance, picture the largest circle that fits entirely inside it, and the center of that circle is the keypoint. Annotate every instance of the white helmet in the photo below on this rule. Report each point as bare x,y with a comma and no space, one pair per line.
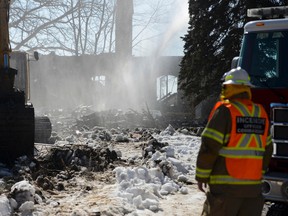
237,76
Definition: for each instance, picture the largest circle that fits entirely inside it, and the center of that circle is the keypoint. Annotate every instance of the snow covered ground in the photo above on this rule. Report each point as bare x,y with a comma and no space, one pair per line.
154,177
167,176
160,184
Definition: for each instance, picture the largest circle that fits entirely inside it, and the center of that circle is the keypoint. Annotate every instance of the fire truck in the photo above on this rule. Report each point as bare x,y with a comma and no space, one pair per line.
264,55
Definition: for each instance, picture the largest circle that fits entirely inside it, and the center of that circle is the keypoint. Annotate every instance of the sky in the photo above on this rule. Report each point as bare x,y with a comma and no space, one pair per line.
172,26
173,44
163,21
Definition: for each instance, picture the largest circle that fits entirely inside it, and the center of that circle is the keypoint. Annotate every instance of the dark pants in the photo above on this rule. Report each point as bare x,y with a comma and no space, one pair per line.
223,205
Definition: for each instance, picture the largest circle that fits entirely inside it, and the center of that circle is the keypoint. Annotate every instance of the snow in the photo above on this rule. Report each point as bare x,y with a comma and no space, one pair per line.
141,189
5,208
145,187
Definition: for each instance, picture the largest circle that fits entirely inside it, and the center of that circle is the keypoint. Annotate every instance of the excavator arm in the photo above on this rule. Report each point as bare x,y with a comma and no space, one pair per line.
5,49
7,74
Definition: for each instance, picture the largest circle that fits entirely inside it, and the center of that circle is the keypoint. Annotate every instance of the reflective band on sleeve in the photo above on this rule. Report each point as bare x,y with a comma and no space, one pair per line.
227,138
203,173
225,179
268,140
213,134
241,153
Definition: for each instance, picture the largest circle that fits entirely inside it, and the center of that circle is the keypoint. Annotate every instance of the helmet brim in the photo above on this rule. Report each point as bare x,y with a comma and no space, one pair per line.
231,82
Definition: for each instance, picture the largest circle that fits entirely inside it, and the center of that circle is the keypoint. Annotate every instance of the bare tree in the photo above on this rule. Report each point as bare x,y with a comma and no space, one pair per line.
66,27
76,27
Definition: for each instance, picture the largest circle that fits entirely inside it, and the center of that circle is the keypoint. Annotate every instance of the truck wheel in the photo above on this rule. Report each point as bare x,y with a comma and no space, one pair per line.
277,209
43,129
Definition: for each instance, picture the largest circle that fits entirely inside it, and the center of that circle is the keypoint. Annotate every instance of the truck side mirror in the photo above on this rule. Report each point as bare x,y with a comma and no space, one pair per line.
234,62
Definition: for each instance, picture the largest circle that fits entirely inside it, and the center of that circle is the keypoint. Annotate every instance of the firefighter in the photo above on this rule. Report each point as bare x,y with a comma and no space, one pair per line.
235,151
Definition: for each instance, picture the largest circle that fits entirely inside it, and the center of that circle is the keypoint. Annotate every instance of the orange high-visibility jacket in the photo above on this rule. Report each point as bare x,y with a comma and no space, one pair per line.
246,147
218,103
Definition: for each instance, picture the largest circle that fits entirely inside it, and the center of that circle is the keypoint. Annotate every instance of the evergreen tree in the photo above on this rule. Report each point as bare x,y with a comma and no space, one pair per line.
213,39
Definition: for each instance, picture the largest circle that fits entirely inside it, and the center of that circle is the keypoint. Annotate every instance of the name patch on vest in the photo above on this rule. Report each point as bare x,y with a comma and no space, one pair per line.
250,125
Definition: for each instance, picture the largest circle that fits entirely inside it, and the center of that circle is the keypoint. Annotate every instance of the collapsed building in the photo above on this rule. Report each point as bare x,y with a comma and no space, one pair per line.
104,82
107,81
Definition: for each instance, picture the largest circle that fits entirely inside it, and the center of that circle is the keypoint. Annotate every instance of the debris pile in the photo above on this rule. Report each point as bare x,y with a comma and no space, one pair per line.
50,170
85,116
84,149
96,158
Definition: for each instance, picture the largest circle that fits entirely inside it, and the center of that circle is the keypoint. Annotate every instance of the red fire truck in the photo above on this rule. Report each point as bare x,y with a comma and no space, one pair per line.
264,55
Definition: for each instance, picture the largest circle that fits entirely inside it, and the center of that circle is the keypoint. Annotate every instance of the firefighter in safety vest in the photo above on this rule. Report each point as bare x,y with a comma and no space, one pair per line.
235,151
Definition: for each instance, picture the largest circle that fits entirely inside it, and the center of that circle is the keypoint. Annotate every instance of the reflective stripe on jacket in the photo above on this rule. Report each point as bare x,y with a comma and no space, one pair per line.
245,150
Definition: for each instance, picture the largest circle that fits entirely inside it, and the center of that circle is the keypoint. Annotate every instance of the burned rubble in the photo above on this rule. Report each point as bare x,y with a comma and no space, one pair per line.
79,146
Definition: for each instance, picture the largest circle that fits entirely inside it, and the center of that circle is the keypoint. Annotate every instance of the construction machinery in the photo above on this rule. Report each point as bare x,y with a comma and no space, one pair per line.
264,55
20,61
17,119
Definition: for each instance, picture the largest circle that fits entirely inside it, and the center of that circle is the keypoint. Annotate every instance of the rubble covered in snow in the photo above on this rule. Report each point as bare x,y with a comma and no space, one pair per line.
91,153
